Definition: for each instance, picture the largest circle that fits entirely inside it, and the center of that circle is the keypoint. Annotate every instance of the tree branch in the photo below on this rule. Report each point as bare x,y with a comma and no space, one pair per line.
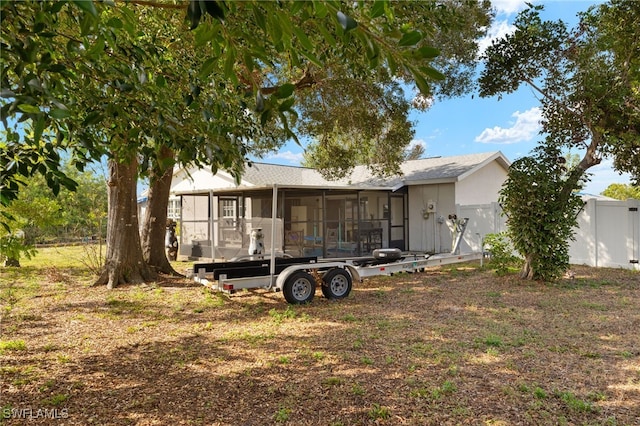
156,4
307,80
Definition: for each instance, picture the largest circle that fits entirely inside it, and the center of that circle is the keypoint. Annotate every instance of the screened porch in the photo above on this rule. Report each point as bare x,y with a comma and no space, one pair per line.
309,222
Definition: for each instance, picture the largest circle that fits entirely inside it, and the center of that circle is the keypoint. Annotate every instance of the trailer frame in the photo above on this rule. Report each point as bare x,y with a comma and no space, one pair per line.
223,276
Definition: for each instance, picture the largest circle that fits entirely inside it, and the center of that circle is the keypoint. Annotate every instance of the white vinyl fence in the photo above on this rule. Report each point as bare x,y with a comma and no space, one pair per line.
608,232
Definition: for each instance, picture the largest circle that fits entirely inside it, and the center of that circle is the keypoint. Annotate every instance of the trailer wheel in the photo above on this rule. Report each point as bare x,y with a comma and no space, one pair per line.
299,288
336,284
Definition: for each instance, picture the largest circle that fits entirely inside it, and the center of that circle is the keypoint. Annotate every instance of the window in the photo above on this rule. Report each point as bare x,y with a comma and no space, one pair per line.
228,208
173,209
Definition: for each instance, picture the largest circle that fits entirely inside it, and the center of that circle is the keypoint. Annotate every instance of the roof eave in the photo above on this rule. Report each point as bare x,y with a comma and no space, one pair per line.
430,181
299,187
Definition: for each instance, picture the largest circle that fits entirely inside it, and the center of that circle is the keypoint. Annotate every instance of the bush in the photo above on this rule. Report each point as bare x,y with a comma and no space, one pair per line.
502,253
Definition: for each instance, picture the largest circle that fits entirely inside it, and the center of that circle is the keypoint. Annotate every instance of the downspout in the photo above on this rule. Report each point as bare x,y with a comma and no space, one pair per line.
274,213
181,230
211,225
595,230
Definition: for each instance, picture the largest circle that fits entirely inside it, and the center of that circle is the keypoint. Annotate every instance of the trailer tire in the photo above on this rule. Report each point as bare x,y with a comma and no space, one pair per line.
336,284
299,288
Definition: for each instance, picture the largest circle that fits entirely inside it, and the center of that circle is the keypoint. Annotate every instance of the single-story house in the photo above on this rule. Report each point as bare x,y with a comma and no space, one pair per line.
318,217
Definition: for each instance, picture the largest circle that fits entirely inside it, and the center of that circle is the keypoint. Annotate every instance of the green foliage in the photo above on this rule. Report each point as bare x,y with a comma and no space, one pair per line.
56,399
614,28
41,217
351,121
375,131
282,415
279,317
621,191
13,247
191,89
539,393
541,204
502,253
574,402
588,81
493,340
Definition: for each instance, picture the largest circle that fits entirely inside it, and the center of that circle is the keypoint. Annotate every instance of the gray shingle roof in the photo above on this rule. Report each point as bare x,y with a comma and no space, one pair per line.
437,169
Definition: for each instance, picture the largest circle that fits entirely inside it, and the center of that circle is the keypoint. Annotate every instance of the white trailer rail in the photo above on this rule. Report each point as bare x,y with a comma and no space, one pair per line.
297,277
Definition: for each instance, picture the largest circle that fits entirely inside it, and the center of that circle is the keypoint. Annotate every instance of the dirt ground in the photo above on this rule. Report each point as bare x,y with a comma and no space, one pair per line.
448,346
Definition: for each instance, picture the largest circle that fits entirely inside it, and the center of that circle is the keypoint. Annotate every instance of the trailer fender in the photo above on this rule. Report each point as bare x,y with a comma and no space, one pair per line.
355,276
282,276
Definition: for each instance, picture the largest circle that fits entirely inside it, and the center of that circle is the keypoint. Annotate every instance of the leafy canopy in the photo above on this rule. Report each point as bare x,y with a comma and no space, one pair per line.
588,78
118,79
621,191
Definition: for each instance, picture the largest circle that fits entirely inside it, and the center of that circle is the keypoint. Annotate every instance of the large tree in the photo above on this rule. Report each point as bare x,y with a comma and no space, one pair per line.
588,80
347,97
541,219
98,79
351,121
109,88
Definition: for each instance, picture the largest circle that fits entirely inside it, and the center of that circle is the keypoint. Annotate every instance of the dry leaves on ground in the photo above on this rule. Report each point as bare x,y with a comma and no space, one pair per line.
448,346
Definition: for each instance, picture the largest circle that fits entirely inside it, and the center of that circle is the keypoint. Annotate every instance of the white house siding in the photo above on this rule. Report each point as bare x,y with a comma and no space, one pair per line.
200,180
482,186
426,232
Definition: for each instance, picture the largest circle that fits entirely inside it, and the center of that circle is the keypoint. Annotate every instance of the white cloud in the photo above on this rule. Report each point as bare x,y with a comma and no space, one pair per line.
415,142
526,126
498,30
288,156
508,6
505,10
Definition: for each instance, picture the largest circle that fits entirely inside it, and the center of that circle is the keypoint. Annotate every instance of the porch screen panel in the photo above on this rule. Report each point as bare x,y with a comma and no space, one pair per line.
195,238
373,227
303,233
341,232
398,222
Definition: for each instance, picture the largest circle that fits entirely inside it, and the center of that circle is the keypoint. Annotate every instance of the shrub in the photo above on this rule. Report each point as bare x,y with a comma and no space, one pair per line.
502,253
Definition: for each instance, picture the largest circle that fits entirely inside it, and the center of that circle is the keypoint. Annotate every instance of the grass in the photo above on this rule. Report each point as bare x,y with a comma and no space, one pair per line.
379,412
56,400
453,345
12,345
282,415
575,403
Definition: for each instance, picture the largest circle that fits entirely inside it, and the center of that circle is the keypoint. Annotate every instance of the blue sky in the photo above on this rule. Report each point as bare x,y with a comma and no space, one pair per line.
465,125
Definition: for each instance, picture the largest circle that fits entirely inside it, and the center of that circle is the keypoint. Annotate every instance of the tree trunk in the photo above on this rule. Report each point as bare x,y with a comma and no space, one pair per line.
155,217
590,159
124,262
10,261
527,272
